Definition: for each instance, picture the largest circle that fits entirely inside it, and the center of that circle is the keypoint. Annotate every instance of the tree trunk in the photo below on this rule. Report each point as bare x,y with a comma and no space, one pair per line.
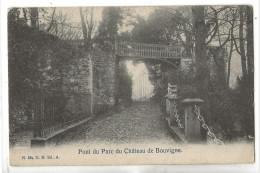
241,42
34,17
52,20
90,29
250,67
188,44
25,15
229,63
220,63
231,49
250,42
84,29
202,72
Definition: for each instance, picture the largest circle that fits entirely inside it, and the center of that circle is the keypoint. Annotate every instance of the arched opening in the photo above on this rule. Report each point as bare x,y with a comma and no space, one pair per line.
142,88
146,74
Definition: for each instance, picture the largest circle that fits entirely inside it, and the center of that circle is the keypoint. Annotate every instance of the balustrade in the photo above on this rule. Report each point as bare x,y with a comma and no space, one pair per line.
147,50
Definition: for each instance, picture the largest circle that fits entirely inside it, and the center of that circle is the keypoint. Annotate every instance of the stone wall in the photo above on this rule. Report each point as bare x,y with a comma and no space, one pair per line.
105,67
86,79
51,79
90,81
77,84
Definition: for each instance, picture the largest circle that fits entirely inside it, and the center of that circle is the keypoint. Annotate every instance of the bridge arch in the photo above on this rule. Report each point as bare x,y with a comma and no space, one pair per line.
158,59
169,56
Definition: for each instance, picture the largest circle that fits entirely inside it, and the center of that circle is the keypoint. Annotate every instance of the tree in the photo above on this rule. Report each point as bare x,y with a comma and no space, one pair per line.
232,24
87,26
234,12
52,20
181,24
250,47
108,29
165,26
202,71
245,46
139,32
34,17
250,71
242,42
56,23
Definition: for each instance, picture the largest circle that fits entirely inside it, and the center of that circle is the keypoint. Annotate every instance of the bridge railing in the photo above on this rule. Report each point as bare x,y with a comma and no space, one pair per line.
147,50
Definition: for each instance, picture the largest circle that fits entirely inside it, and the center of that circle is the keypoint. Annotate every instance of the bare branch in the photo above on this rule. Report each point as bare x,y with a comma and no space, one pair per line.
225,40
216,26
52,20
236,46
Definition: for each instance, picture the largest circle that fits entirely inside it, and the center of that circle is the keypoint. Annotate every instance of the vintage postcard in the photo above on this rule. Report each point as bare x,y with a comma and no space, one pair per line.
131,85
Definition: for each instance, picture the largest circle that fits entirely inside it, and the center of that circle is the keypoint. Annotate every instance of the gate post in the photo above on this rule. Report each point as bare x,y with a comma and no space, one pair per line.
192,123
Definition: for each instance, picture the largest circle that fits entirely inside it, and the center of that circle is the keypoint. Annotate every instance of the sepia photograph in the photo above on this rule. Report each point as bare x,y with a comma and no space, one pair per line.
124,85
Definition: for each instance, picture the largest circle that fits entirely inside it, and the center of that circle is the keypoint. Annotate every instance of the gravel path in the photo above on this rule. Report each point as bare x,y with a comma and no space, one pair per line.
142,122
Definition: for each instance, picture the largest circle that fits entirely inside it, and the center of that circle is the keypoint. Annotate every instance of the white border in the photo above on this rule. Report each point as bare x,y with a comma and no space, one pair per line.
4,151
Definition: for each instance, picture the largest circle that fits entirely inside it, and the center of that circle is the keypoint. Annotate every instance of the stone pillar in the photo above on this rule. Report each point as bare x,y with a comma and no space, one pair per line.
192,123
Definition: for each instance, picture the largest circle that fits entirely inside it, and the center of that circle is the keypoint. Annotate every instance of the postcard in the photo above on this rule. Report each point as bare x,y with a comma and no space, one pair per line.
131,85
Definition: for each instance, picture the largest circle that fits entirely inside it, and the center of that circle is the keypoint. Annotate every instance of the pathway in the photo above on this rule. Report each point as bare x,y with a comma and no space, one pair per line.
142,122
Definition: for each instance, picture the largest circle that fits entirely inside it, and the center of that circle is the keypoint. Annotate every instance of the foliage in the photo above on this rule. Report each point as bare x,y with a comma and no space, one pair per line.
108,28
108,32
184,79
36,62
165,25
155,30
233,114
24,73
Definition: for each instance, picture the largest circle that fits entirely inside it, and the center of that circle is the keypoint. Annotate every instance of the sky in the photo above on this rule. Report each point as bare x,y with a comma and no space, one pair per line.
74,16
